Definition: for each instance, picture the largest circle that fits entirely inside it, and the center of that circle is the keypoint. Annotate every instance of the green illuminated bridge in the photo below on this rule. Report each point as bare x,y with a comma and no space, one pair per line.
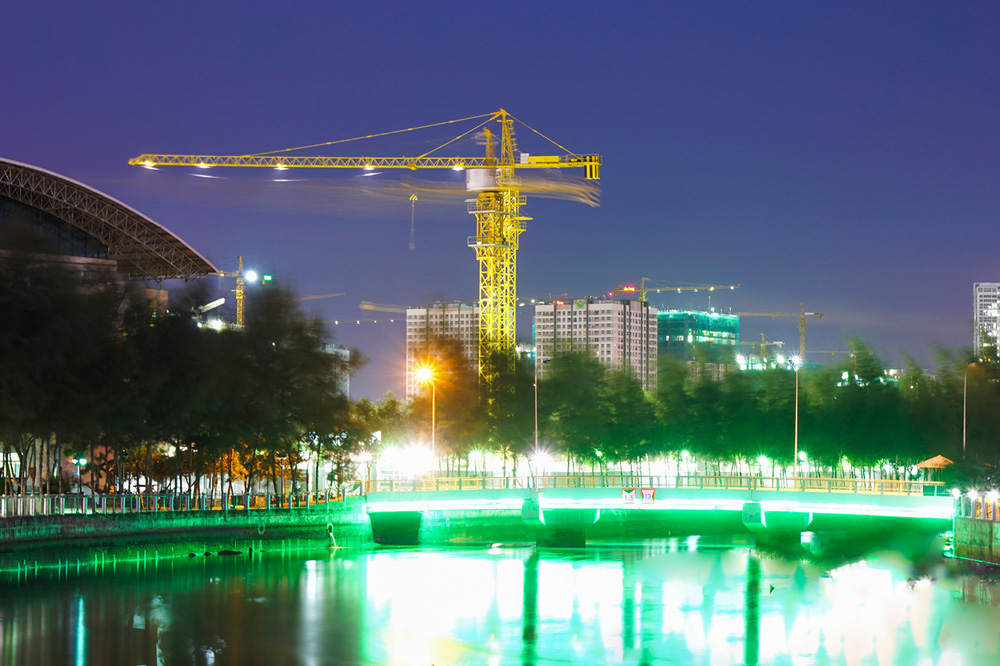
551,510
567,510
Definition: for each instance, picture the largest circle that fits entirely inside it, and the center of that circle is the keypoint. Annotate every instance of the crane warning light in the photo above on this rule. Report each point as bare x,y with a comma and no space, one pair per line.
628,288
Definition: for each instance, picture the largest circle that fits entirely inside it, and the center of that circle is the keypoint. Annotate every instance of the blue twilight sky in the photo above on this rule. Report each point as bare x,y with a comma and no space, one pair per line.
844,155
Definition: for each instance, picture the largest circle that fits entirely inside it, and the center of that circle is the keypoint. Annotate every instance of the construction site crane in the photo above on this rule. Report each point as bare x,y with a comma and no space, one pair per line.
382,307
659,286
497,208
240,291
313,298
852,351
802,322
762,346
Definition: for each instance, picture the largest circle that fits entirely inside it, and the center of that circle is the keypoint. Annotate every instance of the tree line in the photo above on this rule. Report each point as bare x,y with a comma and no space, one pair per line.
89,370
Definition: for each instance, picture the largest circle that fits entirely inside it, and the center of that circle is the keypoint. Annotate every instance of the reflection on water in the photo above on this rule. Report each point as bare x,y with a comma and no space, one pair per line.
650,602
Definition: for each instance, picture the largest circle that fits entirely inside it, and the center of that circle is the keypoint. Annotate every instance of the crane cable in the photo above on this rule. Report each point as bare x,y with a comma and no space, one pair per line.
488,116
492,116
372,136
568,151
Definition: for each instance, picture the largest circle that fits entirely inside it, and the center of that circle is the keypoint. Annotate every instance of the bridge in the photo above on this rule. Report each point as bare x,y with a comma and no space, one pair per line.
558,510
567,509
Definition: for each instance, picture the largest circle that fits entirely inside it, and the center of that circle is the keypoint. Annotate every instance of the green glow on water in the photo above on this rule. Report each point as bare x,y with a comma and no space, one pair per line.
81,632
666,601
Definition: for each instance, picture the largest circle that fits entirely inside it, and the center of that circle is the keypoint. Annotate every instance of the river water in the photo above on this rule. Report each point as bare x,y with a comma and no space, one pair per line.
675,601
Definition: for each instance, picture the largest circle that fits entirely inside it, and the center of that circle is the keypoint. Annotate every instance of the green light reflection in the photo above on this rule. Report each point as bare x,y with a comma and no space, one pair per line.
635,603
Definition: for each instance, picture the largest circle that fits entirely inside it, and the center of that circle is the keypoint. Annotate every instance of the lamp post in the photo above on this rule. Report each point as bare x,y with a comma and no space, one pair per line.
536,398
795,366
425,375
965,396
78,461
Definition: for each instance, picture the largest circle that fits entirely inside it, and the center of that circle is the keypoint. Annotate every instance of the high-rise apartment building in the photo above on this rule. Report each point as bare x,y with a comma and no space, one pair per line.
619,334
427,326
986,308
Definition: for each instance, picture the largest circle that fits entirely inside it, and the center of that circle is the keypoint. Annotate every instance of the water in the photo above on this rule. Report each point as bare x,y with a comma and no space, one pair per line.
649,602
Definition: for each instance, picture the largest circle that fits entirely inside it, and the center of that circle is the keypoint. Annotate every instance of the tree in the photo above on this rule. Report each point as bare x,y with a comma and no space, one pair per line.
455,406
57,336
575,418
291,394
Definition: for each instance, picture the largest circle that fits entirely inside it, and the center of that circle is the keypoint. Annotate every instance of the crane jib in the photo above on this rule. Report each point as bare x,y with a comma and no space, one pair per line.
591,163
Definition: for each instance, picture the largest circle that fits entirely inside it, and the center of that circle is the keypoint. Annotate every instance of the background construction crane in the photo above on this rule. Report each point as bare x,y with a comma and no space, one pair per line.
762,347
852,351
659,286
240,291
802,322
318,296
497,209
382,307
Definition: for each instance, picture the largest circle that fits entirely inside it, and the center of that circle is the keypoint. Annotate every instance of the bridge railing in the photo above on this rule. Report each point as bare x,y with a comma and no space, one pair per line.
727,482
62,505
15,506
980,507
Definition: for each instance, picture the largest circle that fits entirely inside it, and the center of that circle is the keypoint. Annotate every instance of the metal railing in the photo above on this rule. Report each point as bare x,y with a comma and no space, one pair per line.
725,482
15,506
63,505
980,507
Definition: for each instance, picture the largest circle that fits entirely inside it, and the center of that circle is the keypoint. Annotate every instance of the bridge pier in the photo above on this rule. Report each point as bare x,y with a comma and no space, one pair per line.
758,520
396,528
558,528
777,531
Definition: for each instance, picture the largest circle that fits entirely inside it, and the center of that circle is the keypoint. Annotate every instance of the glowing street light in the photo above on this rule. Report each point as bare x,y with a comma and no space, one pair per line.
796,361
426,376
79,461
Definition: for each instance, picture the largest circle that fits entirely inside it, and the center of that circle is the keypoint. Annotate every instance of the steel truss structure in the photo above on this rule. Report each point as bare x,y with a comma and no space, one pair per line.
143,249
496,207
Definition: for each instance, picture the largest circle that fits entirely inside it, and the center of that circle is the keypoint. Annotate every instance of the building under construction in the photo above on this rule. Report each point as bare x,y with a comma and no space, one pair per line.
690,335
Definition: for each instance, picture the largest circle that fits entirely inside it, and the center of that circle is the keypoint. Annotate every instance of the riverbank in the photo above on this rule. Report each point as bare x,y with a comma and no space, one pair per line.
345,522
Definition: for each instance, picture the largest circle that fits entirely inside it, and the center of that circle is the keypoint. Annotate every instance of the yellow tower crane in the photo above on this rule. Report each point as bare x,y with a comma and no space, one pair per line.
659,286
240,290
763,345
318,296
852,351
802,322
497,208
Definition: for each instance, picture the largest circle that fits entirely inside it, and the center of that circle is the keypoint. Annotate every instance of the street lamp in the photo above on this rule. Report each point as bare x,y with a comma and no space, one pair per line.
795,366
965,395
426,376
78,461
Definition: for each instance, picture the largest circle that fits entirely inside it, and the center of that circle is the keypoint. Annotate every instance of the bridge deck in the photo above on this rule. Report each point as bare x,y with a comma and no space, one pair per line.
774,483
901,499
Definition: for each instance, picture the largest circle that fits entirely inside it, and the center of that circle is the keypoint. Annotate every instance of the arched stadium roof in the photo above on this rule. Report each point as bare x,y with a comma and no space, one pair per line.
143,249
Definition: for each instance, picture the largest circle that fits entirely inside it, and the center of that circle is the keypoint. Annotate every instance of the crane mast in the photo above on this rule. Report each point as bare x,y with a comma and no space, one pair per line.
240,290
498,227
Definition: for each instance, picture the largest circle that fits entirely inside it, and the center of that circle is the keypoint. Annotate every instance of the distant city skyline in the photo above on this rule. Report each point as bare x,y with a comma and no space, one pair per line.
842,156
